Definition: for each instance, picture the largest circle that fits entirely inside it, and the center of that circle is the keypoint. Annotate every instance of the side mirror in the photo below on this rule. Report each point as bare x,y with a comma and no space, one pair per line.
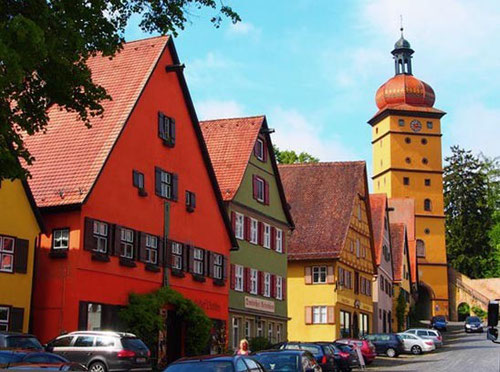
492,334
493,314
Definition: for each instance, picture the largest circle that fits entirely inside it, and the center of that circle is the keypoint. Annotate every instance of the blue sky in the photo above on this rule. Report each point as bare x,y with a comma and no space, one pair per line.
313,67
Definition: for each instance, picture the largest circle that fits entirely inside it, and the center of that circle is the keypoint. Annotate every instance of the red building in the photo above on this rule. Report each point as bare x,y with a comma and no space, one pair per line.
130,204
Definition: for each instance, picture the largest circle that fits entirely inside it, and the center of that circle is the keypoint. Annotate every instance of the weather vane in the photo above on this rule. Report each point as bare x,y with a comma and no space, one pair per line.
401,21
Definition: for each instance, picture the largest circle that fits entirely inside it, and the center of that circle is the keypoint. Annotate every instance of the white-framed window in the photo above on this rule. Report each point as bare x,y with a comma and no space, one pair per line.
127,243
248,329
60,239
254,281
101,235
319,274
177,256
260,328
4,318
319,314
267,236
358,248
270,332
151,249
260,185
279,240
6,254
259,149
198,261
254,231
267,285
236,332
166,184
238,285
218,266
279,287
239,226
351,246
360,213
278,332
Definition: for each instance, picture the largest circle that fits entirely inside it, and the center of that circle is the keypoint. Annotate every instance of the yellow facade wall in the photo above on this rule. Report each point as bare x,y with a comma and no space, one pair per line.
17,220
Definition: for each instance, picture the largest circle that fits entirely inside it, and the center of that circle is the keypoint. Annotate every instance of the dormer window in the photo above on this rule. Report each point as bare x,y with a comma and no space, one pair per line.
259,151
166,129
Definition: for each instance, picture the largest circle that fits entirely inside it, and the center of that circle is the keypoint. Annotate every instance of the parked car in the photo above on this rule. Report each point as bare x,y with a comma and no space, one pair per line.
473,324
103,351
287,360
367,348
417,345
324,354
439,322
216,363
344,356
16,340
431,334
390,344
33,359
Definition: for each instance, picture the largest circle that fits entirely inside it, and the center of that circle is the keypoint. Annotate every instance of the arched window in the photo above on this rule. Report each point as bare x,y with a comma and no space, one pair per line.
420,248
427,205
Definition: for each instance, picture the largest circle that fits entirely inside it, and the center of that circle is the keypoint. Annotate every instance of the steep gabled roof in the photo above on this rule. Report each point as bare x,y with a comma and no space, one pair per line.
230,143
398,238
70,156
378,205
322,198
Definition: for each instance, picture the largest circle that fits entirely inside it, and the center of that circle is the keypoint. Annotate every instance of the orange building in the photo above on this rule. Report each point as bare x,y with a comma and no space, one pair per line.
130,204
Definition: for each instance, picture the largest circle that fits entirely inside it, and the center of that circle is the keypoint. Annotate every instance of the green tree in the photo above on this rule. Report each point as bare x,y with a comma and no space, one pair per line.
44,47
291,157
469,216
401,310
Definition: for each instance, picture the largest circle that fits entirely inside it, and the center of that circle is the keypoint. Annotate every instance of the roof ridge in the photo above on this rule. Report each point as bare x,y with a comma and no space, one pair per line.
323,163
233,118
147,38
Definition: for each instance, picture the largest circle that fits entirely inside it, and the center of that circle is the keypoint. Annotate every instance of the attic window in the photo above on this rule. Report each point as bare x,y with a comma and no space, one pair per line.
259,150
166,129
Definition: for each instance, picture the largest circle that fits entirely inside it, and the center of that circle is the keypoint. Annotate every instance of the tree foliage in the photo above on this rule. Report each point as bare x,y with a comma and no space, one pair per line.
469,216
291,157
44,47
492,168
401,310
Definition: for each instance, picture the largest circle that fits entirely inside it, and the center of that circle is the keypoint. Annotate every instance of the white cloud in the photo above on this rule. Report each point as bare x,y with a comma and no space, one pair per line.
242,28
213,109
295,132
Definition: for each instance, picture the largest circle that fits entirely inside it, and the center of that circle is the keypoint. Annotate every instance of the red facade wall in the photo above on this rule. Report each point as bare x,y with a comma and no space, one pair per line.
62,282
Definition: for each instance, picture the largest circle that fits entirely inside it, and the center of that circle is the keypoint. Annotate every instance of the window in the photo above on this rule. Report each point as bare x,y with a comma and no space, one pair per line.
427,231
60,239
363,324
138,181
259,149
360,215
425,161
319,274
238,285
259,189
239,226
279,240
177,256
254,281
104,341
127,243
420,248
166,184
94,312
84,341
218,266
345,324
248,329
351,246
429,125
401,122
62,342
406,181
267,236
6,254
408,140
341,276
424,141
319,315
278,332
267,285
408,160
190,201
427,205
166,129
236,332
101,236
151,249
279,287
270,331
427,182
358,248
4,318
198,261
254,231
260,328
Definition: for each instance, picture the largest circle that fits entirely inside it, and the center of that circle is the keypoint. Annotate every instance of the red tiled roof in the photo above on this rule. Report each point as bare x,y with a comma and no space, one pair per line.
322,199
230,143
378,204
69,156
397,246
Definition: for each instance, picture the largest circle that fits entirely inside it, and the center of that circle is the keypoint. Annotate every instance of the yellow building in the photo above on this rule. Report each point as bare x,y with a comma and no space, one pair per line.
407,163
20,226
330,254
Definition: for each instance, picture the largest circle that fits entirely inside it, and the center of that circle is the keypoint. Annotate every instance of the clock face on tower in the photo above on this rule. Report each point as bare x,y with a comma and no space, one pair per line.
416,126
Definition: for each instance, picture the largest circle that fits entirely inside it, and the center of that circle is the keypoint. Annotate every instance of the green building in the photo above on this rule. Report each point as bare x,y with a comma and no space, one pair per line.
243,158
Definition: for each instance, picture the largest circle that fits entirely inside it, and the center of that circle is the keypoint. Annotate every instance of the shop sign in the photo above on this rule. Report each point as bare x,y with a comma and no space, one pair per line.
259,304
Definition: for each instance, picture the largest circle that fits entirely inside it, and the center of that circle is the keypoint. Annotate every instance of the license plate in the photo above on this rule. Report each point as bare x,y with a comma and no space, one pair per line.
141,360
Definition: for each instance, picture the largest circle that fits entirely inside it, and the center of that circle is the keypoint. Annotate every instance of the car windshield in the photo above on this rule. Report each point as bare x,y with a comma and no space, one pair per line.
344,348
279,362
473,319
23,342
134,344
205,366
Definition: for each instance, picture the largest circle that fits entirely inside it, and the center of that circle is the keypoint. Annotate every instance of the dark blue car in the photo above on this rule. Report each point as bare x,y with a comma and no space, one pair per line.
473,324
216,363
439,322
323,354
36,360
287,360
390,344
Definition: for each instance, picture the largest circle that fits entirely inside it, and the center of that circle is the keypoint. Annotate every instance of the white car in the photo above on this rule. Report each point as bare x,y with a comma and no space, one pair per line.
431,334
416,345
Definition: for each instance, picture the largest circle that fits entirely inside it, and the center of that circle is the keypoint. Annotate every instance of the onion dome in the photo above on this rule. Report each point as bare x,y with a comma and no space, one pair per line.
405,89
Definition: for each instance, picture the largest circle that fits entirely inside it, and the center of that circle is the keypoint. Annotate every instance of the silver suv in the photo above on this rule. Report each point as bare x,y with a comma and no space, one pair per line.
103,351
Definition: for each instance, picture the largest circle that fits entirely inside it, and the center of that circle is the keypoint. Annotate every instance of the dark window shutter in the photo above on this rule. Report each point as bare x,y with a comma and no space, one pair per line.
117,241
82,315
89,242
161,126
283,241
261,283
264,151
161,251
246,277
233,276
273,238
141,244
191,259
175,186
283,285
21,250
260,234
233,221
158,181
111,238
16,319
210,259
255,186
247,228
266,192
206,262
193,200
273,286
224,267
185,257
172,130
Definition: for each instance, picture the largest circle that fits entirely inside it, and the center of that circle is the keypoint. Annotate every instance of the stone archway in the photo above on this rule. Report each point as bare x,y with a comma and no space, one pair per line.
423,308
463,311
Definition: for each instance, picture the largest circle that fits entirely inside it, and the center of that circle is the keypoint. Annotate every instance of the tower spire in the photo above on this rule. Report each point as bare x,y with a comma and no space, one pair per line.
402,54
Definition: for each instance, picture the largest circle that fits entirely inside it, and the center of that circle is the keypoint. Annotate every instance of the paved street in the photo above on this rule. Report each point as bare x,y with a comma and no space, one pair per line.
461,352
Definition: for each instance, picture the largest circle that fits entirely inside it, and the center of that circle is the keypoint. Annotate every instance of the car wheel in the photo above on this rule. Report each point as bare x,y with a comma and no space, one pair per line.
391,353
97,367
416,350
